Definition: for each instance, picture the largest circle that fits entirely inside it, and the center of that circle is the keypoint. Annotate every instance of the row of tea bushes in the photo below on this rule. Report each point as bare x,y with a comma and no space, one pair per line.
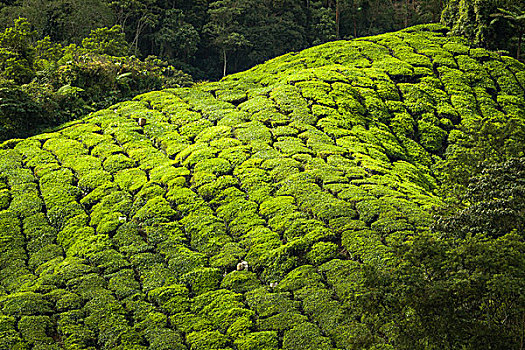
242,213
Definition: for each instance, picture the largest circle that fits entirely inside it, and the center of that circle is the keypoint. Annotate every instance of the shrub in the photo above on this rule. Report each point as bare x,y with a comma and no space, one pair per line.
165,339
322,252
123,283
323,181
202,280
305,336
36,329
171,299
240,281
258,341
204,340
25,303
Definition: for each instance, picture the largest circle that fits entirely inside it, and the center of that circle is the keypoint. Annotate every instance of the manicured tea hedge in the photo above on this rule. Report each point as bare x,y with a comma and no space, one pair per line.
241,214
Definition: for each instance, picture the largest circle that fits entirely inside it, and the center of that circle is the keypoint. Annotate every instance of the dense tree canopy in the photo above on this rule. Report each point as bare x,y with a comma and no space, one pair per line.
43,83
190,35
464,283
208,37
496,24
197,35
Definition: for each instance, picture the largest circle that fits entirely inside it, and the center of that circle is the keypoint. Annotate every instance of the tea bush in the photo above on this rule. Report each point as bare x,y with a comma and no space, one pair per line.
268,210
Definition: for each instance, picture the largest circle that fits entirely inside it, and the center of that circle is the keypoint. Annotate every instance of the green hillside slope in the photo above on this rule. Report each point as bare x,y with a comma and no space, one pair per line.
309,167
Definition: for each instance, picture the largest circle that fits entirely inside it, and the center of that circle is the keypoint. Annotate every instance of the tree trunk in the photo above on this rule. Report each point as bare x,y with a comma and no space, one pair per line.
355,18
520,40
522,330
225,62
406,13
337,18
141,24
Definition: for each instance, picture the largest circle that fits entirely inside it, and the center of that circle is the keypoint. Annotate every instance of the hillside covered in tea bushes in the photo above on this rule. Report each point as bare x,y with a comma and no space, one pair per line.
313,169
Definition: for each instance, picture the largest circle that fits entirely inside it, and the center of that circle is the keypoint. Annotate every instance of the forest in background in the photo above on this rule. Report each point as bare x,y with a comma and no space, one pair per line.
321,170
69,57
197,35
457,285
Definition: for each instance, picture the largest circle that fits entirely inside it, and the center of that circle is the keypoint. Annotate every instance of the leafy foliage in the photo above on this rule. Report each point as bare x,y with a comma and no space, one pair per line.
44,84
106,41
463,288
194,35
289,206
496,203
496,24
17,53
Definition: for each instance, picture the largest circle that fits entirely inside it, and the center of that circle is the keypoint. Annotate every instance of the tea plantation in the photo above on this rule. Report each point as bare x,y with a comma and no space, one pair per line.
241,214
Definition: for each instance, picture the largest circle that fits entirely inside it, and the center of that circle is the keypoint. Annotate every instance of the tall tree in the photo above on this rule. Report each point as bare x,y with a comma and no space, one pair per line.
17,53
473,20
135,17
322,27
461,285
224,28
176,39
107,41
516,18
